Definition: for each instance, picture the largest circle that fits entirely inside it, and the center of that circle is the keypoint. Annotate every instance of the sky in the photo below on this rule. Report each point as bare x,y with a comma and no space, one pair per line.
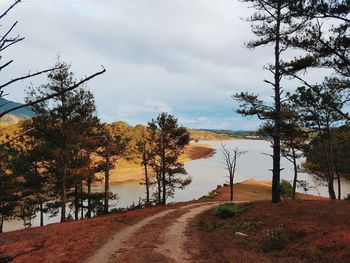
184,57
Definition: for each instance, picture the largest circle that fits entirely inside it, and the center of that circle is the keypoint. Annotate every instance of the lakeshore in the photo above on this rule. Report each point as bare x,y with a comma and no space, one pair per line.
126,171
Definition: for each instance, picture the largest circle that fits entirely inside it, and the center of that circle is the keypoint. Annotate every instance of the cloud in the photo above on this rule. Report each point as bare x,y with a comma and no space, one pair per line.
149,106
187,54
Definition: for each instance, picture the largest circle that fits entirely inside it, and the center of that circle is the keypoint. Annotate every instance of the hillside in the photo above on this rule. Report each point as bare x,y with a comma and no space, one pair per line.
206,135
10,119
23,112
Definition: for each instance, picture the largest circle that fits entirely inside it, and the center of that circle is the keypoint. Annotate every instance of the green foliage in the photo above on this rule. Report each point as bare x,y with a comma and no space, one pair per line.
286,189
227,210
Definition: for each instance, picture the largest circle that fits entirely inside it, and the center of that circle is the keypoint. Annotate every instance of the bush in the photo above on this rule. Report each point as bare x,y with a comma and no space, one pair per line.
275,239
286,189
226,210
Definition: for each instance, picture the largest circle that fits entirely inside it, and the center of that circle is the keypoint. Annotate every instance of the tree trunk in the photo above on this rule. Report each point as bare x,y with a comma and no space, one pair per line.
76,202
231,188
64,195
159,185
329,173
1,222
276,198
163,171
107,168
146,182
2,217
338,180
41,213
295,179
88,215
81,200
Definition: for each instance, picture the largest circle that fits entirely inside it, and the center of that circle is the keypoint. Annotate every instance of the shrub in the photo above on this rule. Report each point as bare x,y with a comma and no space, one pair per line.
226,210
275,239
286,188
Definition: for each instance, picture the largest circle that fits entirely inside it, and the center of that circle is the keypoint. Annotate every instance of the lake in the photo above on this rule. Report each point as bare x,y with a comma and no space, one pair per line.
208,173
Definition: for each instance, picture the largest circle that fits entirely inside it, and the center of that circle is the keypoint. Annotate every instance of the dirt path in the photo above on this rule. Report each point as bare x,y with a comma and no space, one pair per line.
157,238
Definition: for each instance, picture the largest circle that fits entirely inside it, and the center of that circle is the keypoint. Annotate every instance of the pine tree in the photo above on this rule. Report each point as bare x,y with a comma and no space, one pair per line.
64,124
272,24
170,140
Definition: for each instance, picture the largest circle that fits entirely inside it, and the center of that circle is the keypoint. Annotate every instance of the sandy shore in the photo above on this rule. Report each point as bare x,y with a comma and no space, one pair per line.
127,171
253,190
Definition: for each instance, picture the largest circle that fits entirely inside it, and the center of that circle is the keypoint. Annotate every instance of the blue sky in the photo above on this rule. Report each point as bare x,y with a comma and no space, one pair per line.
180,56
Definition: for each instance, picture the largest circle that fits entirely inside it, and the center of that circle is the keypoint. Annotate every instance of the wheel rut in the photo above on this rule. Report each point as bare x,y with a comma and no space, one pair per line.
157,238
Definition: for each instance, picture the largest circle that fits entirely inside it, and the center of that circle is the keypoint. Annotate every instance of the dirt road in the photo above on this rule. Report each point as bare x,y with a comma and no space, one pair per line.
157,238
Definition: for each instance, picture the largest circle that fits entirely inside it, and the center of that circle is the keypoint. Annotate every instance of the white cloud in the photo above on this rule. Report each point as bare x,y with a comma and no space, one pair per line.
150,106
188,54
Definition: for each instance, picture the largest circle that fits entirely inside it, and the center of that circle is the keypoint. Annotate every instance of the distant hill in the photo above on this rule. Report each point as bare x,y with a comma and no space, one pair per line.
235,134
15,116
206,135
24,112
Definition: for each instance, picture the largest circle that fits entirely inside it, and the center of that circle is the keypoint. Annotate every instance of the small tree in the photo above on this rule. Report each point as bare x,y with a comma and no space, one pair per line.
170,140
115,139
315,115
145,148
230,157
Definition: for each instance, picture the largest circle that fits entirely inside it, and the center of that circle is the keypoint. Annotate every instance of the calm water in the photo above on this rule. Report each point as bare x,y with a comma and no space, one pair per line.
208,173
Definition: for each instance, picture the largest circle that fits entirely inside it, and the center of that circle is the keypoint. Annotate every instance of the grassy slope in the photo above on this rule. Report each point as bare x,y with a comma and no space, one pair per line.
293,231
208,136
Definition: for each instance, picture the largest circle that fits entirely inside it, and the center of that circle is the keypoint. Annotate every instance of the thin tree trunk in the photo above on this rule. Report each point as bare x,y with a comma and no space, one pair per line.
64,195
81,200
231,188
163,171
88,215
338,180
65,168
276,198
107,168
146,181
2,217
41,213
1,223
159,185
331,155
76,202
329,176
295,179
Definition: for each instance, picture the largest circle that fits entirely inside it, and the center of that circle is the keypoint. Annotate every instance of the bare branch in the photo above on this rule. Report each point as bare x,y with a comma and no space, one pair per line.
26,77
8,9
31,103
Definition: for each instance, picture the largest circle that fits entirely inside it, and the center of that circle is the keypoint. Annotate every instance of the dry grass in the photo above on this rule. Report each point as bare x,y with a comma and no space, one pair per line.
208,136
293,231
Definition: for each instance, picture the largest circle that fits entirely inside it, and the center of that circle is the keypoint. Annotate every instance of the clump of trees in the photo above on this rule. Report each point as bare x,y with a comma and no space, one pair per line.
319,31
51,169
19,191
